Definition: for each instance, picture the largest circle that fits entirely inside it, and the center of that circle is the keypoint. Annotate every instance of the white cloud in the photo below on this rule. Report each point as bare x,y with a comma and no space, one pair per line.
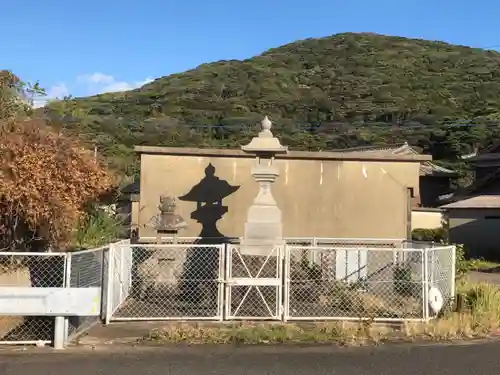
58,91
98,83
88,84
96,78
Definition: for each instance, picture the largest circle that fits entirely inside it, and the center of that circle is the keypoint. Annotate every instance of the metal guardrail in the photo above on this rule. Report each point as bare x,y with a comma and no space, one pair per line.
44,297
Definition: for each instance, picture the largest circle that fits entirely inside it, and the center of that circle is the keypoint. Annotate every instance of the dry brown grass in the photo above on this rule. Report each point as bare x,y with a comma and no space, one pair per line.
479,318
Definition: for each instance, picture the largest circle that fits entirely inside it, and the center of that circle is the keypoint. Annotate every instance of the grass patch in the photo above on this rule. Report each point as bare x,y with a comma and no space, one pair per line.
478,316
96,229
482,265
264,333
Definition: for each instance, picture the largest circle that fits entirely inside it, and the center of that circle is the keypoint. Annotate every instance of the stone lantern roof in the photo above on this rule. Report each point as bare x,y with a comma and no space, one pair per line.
265,142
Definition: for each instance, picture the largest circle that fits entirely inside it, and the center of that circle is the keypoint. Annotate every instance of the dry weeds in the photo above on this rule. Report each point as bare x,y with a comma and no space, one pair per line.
479,317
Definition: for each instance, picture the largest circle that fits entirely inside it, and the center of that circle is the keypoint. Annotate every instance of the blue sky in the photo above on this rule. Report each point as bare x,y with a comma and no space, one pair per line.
86,47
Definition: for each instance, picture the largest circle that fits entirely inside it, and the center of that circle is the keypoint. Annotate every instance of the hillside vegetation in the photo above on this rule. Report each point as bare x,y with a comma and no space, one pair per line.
346,90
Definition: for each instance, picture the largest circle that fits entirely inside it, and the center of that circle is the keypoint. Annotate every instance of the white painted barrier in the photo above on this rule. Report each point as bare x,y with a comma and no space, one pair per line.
50,301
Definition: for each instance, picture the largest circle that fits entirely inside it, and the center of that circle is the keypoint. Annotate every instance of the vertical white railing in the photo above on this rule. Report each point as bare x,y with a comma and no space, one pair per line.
453,273
118,277
425,296
67,284
110,285
286,283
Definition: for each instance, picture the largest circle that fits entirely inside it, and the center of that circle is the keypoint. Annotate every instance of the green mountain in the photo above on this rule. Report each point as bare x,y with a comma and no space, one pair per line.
356,89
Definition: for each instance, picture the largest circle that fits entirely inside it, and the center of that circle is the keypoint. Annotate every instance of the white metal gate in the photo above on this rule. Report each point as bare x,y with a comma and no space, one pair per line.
119,277
336,279
165,282
254,284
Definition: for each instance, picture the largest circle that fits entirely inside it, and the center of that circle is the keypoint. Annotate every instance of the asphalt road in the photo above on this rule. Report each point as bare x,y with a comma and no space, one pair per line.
474,359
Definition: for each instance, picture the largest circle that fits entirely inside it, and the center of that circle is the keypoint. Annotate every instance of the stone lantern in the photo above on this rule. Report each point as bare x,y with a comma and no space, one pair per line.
157,272
263,227
167,221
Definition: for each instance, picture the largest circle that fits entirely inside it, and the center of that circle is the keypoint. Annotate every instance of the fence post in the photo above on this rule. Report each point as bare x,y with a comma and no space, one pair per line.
453,273
426,284
104,283
228,248
286,281
221,282
109,283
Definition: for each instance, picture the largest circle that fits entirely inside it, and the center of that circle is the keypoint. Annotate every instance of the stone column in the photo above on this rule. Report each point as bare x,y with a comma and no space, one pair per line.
263,227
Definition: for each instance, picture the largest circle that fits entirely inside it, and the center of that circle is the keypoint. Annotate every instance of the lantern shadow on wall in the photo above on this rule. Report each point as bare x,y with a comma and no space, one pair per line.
208,195
202,263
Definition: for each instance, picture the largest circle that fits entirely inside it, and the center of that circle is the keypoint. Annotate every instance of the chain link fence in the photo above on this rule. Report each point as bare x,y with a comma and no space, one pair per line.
86,270
172,281
383,280
254,283
353,283
307,279
440,277
35,270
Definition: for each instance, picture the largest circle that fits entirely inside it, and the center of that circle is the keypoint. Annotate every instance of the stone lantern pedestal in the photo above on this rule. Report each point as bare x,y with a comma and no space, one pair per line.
263,227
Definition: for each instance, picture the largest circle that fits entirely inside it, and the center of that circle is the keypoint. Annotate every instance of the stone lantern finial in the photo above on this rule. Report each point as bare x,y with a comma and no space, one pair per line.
265,142
266,124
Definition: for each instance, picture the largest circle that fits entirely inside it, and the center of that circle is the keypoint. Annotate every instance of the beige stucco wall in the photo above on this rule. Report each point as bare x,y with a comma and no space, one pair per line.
323,198
426,219
134,215
470,227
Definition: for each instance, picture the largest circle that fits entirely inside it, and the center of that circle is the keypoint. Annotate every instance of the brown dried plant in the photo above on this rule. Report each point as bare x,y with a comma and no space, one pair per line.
47,179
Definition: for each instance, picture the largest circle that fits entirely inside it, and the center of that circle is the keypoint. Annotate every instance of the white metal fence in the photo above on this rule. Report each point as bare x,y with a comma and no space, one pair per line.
327,279
306,279
346,283
174,281
117,276
253,284
85,269
439,278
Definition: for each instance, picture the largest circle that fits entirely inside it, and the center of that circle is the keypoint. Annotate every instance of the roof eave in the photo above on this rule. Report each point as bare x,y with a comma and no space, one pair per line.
318,155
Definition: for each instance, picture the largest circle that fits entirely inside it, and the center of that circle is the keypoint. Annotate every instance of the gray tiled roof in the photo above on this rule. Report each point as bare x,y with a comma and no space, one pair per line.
426,168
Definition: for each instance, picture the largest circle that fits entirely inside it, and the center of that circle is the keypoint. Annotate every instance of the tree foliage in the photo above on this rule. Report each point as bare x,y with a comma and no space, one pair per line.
347,90
47,180
15,98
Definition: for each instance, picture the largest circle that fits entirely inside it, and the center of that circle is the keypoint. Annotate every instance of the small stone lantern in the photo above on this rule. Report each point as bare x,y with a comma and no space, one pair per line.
168,222
263,227
158,271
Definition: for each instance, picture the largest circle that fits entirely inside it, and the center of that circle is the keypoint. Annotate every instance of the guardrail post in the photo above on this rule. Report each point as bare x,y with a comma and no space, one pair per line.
59,336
